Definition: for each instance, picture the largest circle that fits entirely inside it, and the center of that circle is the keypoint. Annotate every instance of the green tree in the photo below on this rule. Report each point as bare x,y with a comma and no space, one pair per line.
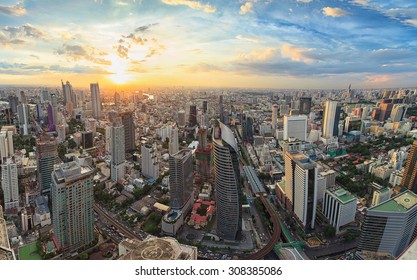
84,256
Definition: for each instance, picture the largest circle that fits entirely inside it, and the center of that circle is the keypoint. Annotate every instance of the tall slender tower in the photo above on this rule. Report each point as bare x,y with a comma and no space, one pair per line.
274,117
173,141
226,172
181,180
331,119
409,180
23,116
96,100
117,151
9,184
73,205
129,127
46,157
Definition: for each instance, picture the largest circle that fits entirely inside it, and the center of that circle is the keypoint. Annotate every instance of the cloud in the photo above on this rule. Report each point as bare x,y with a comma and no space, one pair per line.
17,35
361,2
78,52
412,22
257,55
304,1
247,38
34,56
201,67
145,28
122,51
155,50
334,12
246,8
196,5
16,10
377,79
296,54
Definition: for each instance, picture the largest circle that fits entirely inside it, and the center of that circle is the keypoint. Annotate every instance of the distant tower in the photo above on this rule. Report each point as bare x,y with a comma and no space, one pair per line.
305,105
61,133
96,100
274,117
331,119
409,180
181,118
68,93
46,157
181,180
129,127
205,107
117,151
227,186
192,120
221,110
173,145
23,116
72,194
9,184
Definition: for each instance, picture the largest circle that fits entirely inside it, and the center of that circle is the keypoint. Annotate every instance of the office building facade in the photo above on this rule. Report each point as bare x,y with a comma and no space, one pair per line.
9,184
181,180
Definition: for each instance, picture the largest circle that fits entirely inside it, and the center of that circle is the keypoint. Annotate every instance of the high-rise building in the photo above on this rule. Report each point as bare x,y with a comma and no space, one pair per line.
54,104
227,186
181,118
192,117
181,180
129,127
67,92
301,187
9,184
385,111
390,226
173,145
108,139
295,127
274,116
13,102
6,145
410,173
339,207
305,105
150,163
117,151
205,106
23,116
398,112
96,100
73,205
87,139
61,133
331,119
46,157
247,128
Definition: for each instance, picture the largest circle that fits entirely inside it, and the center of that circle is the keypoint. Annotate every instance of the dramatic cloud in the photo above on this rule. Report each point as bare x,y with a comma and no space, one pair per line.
296,54
334,12
246,8
17,35
16,10
196,5
78,52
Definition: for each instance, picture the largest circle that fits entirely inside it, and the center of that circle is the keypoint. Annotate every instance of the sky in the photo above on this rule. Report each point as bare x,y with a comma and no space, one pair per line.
216,43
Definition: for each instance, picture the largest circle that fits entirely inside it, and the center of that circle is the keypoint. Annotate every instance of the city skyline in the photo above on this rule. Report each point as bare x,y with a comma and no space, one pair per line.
258,44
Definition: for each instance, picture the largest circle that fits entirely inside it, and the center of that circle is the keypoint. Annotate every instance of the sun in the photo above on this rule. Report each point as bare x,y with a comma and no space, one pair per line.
118,70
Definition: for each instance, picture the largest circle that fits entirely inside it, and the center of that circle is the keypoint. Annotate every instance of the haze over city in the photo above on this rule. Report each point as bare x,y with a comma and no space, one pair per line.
264,43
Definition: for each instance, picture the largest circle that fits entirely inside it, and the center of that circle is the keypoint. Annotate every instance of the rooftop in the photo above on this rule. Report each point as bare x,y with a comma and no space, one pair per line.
302,160
401,203
342,195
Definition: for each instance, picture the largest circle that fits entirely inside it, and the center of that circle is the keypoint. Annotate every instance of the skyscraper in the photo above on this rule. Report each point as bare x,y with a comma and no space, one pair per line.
192,118
203,155
117,151
181,180
23,116
6,145
301,187
305,105
331,119
9,184
295,127
398,112
221,109
390,226
409,180
73,205
227,186
181,118
205,106
69,94
274,116
150,163
173,145
46,157
96,100
54,104
129,127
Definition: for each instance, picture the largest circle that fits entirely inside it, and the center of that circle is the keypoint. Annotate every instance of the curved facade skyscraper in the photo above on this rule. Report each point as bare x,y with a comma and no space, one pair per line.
228,193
